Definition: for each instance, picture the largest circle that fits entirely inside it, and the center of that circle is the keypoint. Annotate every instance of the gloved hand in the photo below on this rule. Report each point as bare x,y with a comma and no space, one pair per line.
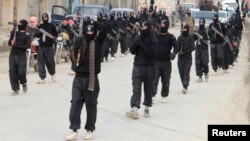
172,56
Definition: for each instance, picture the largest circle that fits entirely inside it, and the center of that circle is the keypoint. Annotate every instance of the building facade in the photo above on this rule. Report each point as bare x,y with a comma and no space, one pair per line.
27,8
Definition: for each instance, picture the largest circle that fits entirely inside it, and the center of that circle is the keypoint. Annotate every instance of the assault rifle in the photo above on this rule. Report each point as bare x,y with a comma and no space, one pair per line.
110,37
14,23
200,38
226,39
45,33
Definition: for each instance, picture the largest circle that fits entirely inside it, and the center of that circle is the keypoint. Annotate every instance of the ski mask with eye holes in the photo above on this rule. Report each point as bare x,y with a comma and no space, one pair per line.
45,18
189,13
185,30
164,26
105,18
112,16
99,16
119,15
125,15
90,32
202,23
132,15
22,25
146,28
215,18
228,25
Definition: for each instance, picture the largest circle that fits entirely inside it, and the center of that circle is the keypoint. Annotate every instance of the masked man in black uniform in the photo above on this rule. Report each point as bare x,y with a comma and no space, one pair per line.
45,50
201,52
143,72
186,46
217,44
111,38
163,56
20,42
86,62
122,25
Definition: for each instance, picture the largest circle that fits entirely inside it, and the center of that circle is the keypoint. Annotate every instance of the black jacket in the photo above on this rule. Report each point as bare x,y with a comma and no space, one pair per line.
232,36
185,46
143,50
83,68
122,25
215,38
112,28
165,43
200,44
22,43
50,28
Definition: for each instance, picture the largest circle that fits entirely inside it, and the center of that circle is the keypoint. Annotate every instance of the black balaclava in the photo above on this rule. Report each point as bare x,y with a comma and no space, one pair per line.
144,11
87,21
22,24
164,26
216,18
228,25
45,18
164,13
185,30
125,15
112,16
138,16
90,32
119,15
146,28
105,18
99,16
132,15
160,13
202,23
189,13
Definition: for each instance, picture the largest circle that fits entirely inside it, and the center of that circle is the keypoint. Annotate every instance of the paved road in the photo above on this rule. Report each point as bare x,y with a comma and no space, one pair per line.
42,113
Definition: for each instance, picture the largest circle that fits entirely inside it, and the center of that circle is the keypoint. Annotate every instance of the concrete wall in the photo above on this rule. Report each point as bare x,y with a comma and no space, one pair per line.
7,11
115,3
26,8
22,9
1,12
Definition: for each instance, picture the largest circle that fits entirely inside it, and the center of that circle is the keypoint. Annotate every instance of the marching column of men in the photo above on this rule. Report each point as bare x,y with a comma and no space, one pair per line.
153,52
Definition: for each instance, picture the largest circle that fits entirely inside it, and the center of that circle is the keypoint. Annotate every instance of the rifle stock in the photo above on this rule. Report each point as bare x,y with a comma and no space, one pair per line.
226,39
45,33
201,38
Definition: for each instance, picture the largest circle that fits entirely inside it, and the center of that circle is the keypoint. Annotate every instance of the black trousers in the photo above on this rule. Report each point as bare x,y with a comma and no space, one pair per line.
105,49
201,62
217,56
113,46
184,66
162,70
81,95
229,57
239,36
17,70
145,75
123,42
45,58
130,38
